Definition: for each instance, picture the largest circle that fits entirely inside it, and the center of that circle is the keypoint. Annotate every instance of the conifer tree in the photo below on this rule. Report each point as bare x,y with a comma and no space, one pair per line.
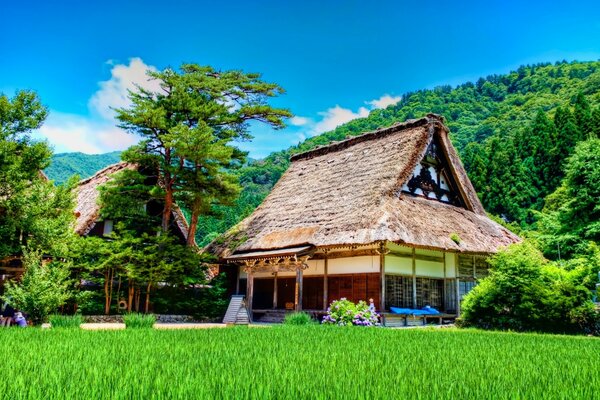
189,127
583,117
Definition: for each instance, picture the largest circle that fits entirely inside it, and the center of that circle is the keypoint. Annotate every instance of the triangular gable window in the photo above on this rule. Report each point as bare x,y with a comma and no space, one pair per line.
432,179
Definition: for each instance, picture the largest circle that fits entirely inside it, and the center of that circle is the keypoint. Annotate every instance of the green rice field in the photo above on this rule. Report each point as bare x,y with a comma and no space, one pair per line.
313,362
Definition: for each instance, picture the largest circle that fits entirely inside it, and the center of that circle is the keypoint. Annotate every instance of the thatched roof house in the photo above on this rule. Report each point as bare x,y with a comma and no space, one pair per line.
395,193
87,209
354,193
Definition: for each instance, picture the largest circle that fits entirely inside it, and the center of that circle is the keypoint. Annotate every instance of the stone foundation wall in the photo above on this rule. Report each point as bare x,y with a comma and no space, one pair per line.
162,318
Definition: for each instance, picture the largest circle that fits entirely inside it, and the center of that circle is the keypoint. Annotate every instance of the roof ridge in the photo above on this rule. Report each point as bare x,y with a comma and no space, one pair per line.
344,144
103,171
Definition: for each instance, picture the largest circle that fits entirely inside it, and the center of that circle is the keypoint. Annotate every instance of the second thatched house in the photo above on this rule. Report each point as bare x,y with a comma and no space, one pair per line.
389,215
89,221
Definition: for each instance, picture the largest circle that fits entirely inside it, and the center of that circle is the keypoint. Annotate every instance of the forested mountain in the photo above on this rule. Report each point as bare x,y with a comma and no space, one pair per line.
514,132
64,165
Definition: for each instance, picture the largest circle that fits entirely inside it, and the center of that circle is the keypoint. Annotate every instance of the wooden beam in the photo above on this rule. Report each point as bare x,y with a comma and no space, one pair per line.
274,290
414,278
237,280
345,253
325,284
421,257
375,252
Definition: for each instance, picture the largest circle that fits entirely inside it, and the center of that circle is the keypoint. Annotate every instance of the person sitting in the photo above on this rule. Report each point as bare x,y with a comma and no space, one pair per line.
20,319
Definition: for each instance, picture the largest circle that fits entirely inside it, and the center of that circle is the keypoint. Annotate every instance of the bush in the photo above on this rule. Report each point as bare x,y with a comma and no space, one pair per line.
66,321
43,288
343,312
297,318
526,292
139,321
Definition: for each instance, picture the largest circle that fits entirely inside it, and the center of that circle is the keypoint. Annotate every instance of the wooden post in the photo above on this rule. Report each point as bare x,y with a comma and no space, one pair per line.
237,279
457,285
325,284
249,290
382,254
275,290
444,286
298,291
414,278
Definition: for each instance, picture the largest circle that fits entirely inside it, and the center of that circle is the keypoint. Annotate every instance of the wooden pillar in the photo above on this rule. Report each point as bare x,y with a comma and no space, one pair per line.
457,285
414,278
275,290
249,290
382,253
237,279
325,284
444,286
298,291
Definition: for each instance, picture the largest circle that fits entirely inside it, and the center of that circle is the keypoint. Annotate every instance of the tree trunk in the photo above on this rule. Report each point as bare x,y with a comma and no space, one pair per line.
147,305
107,290
191,242
130,290
168,186
137,299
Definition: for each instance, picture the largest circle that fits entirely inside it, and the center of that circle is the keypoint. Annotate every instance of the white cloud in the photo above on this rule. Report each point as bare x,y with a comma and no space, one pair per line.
299,121
69,132
113,93
97,132
336,116
384,101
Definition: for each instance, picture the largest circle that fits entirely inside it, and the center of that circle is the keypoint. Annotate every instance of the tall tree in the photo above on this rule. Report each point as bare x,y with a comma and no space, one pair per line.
33,212
583,116
198,109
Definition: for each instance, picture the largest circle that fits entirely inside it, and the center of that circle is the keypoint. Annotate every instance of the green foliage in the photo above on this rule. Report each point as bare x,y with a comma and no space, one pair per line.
64,165
42,290
208,302
525,292
33,213
139,321
301,363
455,238
571,218
298,318
65,321
188,128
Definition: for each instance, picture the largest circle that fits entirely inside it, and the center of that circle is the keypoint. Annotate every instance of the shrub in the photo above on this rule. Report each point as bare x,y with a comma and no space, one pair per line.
139,321
298,318
66,321
526,292
43,288
343,312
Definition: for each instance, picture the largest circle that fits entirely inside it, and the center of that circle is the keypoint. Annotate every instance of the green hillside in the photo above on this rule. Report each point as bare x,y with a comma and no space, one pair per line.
495,113
65,165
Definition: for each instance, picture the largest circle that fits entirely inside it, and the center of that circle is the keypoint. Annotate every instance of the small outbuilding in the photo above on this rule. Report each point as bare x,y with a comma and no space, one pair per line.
389,215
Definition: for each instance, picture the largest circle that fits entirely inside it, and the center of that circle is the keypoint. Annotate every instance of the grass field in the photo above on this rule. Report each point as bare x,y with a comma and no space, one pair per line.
292,363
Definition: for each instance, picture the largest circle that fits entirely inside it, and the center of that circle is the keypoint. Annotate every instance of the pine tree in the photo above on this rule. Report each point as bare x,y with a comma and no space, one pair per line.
583,117
567,136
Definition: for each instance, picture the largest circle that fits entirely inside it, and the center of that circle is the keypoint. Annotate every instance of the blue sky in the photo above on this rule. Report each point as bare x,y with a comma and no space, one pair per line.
336,60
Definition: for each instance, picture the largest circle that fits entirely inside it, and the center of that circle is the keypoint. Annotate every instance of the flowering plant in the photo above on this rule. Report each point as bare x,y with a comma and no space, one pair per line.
343,312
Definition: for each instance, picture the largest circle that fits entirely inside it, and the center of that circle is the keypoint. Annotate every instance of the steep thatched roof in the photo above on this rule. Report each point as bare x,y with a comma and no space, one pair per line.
350,193
87,209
